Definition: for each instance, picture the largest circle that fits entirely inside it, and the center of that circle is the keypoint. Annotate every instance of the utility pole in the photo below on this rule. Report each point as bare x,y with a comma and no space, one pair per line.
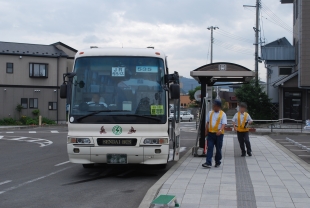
212,41
256,29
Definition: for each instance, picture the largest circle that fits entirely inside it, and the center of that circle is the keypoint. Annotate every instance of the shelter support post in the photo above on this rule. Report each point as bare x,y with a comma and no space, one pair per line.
203,82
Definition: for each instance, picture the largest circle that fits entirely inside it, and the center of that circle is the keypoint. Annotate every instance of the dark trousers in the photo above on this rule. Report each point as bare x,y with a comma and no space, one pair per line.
243,138
216,141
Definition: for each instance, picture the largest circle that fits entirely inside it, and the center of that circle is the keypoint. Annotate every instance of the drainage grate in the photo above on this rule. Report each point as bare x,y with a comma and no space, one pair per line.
245,190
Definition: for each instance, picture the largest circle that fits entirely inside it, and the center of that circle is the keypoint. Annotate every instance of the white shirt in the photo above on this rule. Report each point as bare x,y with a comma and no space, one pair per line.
235,118
214,119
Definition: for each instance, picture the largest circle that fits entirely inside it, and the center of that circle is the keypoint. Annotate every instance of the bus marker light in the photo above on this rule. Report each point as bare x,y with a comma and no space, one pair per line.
81,53
157,151
76,150
157,53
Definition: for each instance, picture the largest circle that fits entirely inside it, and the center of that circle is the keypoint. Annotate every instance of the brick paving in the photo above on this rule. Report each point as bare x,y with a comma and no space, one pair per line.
270,178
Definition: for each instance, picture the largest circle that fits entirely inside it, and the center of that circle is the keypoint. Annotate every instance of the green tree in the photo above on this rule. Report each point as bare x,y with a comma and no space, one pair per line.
259,105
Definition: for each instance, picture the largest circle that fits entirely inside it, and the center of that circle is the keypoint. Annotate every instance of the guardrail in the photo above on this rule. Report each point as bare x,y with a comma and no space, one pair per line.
284,125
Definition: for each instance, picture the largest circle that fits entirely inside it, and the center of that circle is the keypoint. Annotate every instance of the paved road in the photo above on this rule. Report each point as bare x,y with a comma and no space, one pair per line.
304,140
35,172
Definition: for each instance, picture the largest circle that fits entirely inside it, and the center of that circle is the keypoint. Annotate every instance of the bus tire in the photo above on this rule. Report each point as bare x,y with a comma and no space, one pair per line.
86,166
190,119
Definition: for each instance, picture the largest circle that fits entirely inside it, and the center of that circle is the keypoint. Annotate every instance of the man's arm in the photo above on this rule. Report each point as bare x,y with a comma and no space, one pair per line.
249,119
224,122
234,121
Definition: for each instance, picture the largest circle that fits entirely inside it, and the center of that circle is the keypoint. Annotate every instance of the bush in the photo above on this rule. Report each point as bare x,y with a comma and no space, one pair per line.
31,121
7,121
36,112
47,121
23,119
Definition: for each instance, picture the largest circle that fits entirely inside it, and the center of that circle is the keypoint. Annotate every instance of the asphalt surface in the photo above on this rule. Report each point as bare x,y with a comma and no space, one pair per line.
304,140
35,172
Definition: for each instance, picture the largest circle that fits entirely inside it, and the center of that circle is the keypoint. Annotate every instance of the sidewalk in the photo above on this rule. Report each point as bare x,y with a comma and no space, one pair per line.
272,177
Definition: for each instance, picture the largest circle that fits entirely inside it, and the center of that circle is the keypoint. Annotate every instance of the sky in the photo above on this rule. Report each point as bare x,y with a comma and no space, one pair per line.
178,27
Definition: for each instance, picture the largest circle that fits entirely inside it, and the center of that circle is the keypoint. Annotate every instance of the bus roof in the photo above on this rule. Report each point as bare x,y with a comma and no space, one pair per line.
146,52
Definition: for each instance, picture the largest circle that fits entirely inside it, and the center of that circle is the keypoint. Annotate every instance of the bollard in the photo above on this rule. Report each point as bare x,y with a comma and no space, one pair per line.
40,120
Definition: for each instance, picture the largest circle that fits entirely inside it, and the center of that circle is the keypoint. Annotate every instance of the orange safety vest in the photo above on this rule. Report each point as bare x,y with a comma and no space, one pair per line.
215,128
241,125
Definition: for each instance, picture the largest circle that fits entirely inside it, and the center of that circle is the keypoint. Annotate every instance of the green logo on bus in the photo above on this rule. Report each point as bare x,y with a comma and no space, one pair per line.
117,130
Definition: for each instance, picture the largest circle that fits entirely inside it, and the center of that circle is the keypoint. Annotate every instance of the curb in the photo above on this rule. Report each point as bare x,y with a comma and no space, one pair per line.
30,127
289,153
152,192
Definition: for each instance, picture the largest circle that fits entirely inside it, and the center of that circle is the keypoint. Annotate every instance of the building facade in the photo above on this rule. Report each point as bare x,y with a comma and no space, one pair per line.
288,74
30,75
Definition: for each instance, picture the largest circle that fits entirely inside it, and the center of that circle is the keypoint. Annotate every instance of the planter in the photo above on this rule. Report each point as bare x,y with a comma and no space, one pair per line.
252,130
228,129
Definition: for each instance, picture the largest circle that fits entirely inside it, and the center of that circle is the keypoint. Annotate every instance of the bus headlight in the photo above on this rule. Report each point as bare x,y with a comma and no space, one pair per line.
79,140
155,141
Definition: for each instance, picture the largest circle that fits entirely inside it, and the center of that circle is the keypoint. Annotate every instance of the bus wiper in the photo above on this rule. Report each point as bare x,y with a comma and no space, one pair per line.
96,112
144,116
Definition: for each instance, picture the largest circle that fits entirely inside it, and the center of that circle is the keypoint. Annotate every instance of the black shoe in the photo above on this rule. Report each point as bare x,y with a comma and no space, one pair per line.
217,165
243,155
250,154
205,165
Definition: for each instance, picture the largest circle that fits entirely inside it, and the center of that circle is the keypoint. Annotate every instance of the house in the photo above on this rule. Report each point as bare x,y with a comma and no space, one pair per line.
288,80
30,75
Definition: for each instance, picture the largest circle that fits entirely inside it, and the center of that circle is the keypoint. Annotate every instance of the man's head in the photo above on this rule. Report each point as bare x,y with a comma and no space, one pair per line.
242,107
217,105
96,98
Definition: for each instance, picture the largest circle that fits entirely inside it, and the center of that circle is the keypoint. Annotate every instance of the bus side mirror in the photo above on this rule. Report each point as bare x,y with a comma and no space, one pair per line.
63,90
174,91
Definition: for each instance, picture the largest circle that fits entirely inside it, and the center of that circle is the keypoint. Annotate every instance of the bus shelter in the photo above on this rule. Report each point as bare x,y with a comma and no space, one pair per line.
214,74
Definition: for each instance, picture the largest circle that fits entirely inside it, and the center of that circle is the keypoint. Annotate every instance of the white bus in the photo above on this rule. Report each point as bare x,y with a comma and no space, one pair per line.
119,107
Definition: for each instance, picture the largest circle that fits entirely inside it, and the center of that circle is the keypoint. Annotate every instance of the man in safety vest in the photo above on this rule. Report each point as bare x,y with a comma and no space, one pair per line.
216,121
243,119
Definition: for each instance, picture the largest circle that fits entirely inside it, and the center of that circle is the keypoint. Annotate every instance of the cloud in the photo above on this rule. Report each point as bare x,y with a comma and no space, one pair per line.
178,27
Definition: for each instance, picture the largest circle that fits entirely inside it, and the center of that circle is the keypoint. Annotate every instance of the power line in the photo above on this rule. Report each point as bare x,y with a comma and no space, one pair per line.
232,47
272,21
275,16
233,36
237,47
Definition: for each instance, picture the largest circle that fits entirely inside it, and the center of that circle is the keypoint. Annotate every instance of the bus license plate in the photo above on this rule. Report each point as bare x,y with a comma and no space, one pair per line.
117,158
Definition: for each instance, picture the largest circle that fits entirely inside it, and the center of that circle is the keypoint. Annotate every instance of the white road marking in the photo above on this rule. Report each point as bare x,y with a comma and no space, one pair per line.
54,132
32,132
4,182
41,142
9,132
19,138
299,150
31,181
1,137
59,164
303,155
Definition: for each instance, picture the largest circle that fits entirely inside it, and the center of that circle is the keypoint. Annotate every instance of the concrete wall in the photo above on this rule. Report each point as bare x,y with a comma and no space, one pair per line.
305,43
20,74
11,97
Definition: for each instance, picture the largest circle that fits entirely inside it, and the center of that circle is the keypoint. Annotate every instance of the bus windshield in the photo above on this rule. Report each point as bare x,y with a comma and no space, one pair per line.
114,90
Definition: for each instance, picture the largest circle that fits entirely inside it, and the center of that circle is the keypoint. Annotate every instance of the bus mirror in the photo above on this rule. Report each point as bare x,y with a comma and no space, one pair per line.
174,91
63,90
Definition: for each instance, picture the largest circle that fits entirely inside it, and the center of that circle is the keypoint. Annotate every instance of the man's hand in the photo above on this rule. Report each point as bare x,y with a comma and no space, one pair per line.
236,129
206,132
218,133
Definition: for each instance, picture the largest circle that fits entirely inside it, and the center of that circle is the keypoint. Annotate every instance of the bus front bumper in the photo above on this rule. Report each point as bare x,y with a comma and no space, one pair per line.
147,154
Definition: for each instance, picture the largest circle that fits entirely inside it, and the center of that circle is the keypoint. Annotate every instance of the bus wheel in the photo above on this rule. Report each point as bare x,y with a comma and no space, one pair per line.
190,119
86,166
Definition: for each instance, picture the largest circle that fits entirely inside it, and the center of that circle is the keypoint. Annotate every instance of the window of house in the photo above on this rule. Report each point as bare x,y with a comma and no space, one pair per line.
285,71
297,53
9,68
52,105
37,70
296,9
33,102
24,102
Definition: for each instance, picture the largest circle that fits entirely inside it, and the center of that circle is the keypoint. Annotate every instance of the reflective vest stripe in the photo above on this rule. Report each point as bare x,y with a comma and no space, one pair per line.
241,125
215,129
